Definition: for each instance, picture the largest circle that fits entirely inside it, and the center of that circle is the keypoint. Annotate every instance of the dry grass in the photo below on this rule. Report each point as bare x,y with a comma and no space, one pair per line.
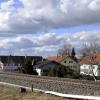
11,93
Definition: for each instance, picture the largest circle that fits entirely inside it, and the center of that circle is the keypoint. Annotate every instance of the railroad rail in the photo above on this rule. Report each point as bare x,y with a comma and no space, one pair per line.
60,85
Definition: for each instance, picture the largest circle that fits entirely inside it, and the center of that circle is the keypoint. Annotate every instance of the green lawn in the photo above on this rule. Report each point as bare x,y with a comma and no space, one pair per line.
11,93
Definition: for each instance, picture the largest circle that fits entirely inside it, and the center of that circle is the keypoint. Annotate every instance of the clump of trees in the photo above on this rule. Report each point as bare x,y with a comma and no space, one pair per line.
27,67
66,72
89,48
67,50
63,71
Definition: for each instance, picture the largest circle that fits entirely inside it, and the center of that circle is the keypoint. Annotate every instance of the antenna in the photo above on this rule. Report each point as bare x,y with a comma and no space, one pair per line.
10,52
25,56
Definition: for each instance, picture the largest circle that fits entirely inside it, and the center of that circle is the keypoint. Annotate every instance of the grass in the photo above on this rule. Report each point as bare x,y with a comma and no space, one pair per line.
12,93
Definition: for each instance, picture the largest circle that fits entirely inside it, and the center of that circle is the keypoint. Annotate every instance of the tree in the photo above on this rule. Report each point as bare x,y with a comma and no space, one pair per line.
92,61
65,50
63,71
89,48
73,53
27,67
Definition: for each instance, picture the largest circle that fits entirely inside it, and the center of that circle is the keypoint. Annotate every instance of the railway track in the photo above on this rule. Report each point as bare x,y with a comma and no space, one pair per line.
62,85
31,77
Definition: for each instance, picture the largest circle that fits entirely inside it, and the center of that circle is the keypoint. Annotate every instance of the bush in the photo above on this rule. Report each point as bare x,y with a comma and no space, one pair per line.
63,71
66,72
27,68
85,77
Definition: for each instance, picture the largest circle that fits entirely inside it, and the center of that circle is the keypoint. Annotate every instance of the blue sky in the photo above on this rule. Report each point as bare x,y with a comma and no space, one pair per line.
41,27
86,28
17,3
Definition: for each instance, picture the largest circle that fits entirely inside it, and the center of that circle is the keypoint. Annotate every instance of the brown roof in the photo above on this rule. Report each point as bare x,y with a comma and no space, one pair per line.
95,58
56,58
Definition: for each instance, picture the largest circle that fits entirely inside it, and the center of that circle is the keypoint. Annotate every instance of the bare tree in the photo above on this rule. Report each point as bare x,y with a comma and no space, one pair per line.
89,48
65,50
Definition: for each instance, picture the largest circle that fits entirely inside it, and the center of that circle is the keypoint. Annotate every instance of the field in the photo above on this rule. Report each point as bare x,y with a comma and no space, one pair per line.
11,93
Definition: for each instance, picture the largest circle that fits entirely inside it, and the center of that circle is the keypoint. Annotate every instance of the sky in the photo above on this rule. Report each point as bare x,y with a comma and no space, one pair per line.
41,27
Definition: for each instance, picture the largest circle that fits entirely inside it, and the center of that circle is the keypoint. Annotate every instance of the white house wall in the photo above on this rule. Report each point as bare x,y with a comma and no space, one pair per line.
38,71
86,69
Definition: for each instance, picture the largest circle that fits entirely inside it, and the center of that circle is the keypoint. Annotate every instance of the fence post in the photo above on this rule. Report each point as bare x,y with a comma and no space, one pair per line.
32,88
23,90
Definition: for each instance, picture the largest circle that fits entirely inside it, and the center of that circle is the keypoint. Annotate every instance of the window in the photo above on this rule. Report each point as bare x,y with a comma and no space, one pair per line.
64,61
70,61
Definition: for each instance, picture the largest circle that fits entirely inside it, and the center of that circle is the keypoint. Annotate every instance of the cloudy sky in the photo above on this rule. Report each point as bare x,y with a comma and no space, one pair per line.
40,27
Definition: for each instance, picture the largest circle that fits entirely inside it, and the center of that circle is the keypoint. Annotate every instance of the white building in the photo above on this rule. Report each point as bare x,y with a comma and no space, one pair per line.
90,68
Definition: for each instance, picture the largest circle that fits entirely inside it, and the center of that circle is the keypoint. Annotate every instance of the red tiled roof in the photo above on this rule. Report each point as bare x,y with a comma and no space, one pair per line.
56,58
95,59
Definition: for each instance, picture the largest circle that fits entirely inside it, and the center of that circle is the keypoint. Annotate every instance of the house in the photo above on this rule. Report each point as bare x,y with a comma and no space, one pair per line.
67,61
13,63
90,65
44,67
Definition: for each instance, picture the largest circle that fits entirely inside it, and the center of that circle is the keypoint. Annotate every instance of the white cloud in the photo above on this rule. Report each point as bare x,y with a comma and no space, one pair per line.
7,5
43,15
94,5
44,44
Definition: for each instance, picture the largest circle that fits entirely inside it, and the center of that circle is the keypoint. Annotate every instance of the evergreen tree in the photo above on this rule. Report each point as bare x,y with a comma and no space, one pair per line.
27,67
73,53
